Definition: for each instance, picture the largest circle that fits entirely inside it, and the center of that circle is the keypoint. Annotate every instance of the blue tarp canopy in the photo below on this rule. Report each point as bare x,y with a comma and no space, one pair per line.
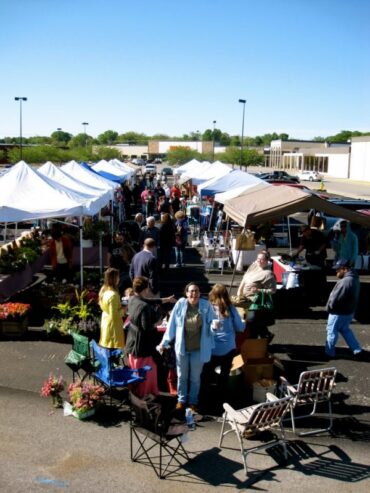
229,181
103,174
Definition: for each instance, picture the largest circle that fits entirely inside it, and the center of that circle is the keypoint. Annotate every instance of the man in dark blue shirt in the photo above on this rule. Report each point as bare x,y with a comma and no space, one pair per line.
144,264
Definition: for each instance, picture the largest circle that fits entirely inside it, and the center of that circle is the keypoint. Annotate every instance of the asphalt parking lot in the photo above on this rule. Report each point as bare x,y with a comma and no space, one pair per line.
44,451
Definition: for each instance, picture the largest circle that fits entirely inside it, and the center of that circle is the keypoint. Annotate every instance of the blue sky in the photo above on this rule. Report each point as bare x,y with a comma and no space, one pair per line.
175,66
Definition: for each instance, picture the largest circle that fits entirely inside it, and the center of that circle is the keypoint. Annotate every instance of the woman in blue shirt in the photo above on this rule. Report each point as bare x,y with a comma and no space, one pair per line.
189,326
224,329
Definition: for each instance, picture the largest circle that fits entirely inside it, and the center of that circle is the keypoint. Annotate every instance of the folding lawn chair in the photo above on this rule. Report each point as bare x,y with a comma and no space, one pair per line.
79,358
247,422
313,387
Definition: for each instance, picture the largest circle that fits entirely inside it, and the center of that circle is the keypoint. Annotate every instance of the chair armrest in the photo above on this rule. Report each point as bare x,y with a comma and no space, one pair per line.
271,397
286,387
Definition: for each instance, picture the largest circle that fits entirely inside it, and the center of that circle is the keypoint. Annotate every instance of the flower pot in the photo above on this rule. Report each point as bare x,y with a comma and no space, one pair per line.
69,411
84,415
57,401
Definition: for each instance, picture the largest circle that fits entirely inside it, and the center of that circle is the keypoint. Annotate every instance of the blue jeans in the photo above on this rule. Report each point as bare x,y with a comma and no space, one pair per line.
189,368
339,324
179,251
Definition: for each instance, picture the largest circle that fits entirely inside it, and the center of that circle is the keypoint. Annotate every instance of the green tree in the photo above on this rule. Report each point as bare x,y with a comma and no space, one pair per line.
250,157
181,155
133,138
108,137
160,137
61,138
81,140
101,152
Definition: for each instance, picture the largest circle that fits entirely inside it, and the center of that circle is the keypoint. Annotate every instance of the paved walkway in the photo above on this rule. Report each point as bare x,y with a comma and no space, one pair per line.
44,451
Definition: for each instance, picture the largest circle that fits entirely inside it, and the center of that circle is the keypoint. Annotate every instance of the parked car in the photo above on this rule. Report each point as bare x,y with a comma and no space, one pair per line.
138,162
167,171
309,176
278,176
150,168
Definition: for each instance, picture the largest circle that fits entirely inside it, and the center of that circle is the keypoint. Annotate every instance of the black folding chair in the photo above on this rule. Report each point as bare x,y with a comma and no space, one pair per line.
150,431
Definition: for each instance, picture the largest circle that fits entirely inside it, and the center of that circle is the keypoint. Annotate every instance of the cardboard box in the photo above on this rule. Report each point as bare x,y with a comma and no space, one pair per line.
254,349
258,371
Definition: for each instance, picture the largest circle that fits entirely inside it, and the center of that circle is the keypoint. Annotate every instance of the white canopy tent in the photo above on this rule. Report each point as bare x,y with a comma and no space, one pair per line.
211,171
26,195
230,181
222,197
193,163
108,167
75,170
54,173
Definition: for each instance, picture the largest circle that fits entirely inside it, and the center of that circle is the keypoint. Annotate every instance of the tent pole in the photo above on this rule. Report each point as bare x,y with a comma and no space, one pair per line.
211,216
100,250
81,257
236,263
289,237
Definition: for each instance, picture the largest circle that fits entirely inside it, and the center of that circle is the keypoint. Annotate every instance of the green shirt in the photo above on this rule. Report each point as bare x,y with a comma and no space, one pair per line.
193,326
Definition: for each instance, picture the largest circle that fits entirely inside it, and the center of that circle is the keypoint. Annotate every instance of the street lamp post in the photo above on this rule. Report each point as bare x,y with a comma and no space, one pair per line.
85,125
20,99
213,140
243,101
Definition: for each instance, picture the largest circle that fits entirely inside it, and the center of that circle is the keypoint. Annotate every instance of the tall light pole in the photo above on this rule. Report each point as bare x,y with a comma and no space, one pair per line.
243,101
213,140
20,99
85,125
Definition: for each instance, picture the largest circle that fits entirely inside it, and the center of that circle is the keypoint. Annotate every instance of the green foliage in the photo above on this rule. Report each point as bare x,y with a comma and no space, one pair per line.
133,138
81,140
181,155
108,137
250,157
101,152
93,229
161,137
61,138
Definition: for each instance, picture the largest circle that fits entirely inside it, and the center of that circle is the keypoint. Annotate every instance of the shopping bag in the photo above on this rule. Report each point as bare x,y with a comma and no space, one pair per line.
261,301
263,304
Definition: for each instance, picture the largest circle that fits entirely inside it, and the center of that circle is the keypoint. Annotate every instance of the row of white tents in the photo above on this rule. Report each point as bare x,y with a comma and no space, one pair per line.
249,200
53,192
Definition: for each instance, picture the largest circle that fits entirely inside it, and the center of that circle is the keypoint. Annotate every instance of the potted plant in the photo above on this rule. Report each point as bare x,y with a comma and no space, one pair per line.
52,387
13,318
93,230
84,397
78,313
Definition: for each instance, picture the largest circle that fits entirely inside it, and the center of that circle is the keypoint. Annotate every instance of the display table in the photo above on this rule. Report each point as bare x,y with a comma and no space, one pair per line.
246,257
213,254
16,281
311,279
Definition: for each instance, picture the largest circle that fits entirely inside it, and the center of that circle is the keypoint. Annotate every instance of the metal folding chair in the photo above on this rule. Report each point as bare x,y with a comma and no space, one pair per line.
313,387
247,422
151,432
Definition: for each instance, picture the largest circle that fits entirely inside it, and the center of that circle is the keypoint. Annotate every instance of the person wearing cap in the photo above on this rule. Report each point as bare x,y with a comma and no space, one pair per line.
345,242
341,307
313,241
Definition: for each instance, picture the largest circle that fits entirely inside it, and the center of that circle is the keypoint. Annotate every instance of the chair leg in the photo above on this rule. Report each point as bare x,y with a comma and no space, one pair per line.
222,431
322,430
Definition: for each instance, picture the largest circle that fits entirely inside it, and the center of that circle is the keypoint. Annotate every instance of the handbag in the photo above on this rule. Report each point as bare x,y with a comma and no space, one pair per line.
262,301
263,304
245,241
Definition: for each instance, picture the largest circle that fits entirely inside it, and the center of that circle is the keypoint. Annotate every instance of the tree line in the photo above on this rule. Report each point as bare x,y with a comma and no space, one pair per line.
111,137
